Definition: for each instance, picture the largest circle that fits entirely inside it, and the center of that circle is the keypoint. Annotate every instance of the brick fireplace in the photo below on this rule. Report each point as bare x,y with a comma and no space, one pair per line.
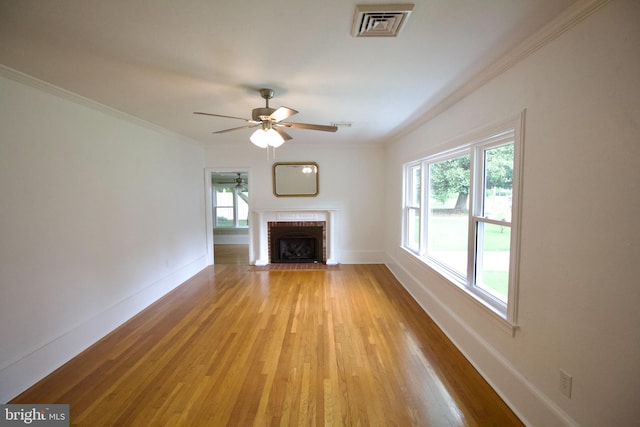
294,236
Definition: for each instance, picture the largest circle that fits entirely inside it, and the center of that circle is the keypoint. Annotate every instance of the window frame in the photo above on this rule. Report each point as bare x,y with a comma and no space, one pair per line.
234,207
476,216
410,206
475,145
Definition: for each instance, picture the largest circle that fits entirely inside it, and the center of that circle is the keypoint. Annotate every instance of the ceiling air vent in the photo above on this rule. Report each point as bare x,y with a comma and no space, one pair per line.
380,20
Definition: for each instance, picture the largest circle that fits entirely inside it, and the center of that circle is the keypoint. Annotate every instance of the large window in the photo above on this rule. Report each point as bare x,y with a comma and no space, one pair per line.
466,228
230,207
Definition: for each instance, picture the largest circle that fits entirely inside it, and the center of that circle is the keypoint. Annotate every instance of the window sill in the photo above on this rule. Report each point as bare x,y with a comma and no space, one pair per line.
230,230
496,316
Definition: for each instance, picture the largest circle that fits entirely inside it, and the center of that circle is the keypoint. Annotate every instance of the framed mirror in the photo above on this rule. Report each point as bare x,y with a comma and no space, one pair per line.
295,179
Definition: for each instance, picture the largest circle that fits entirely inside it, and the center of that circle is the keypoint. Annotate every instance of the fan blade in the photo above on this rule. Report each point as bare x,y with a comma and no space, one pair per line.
226,117
239,127
282,113
308,126
282,133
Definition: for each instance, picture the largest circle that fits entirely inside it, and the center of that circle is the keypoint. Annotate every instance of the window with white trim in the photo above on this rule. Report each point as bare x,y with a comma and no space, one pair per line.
461,215
230,206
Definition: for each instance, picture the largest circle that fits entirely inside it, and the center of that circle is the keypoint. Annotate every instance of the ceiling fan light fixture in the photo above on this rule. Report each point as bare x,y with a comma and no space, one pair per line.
259,138
268,135
264,138
274,139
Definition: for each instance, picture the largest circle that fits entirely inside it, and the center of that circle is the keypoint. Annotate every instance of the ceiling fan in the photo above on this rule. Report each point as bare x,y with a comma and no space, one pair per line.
270,121
239,181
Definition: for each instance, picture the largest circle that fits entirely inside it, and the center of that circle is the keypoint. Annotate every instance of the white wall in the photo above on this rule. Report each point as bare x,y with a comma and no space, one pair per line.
100,216
232,236
579,293
351,181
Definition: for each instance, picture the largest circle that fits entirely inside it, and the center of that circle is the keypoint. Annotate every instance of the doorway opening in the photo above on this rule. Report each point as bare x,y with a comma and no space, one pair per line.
229,216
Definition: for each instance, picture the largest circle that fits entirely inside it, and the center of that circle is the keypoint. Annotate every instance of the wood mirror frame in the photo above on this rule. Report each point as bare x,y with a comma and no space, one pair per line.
295,179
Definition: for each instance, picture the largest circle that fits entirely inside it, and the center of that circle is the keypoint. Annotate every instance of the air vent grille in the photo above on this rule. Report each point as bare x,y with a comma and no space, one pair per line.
380,20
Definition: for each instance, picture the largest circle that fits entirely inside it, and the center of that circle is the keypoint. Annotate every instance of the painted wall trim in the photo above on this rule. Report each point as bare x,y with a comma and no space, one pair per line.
565,21
18,375
531,405
51,89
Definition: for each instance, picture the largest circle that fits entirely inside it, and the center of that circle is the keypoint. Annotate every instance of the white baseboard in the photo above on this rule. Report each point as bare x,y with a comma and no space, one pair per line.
26,371
361,257
532,406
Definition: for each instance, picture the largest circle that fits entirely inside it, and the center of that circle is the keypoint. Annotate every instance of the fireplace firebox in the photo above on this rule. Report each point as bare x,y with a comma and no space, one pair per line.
298,242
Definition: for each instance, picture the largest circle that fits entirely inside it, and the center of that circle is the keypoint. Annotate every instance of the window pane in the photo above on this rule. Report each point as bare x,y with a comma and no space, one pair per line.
413,229
224,217
498,163
224,196
492,264
223,210
447,230
414,186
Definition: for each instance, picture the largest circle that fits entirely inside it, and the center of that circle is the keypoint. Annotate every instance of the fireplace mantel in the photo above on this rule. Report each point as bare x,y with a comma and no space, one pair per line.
262,217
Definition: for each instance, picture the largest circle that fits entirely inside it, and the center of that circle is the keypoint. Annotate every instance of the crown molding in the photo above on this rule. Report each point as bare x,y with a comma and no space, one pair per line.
54,90
573,15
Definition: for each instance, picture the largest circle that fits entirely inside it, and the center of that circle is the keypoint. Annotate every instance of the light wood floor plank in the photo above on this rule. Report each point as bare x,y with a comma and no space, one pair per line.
233,346
231,254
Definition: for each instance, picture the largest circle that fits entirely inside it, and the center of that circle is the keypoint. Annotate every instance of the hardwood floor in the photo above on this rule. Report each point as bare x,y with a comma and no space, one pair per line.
231,254
292,348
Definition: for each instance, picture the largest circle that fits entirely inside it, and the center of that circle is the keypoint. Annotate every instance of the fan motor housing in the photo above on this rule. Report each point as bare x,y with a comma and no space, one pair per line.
259,114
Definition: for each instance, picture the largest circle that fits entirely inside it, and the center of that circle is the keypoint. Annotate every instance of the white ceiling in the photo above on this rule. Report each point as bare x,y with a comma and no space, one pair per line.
160,60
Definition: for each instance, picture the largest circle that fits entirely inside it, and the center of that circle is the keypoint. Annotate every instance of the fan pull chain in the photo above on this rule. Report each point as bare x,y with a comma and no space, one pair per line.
271,153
